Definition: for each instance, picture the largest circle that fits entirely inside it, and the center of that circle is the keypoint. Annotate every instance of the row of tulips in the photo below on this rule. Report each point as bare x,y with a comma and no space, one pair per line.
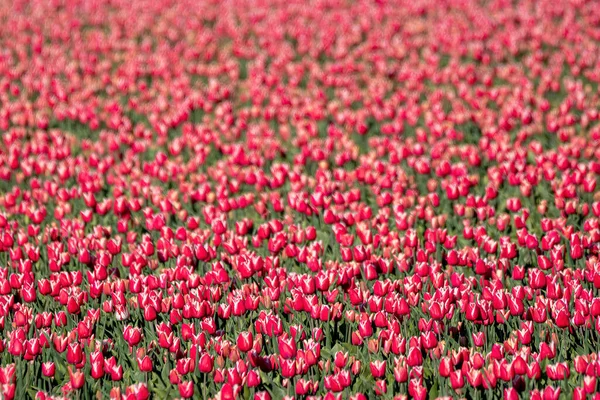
316,200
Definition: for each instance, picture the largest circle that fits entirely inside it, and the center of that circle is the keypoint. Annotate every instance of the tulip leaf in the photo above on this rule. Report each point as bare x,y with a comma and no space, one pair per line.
165,373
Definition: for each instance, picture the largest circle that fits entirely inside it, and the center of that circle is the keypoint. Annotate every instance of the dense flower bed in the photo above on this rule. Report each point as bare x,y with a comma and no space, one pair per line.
312,199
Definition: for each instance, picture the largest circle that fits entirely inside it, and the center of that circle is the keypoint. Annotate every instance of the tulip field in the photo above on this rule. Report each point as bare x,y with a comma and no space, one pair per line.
299,199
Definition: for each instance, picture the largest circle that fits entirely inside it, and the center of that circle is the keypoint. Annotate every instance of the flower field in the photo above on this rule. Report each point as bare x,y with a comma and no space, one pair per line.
320,199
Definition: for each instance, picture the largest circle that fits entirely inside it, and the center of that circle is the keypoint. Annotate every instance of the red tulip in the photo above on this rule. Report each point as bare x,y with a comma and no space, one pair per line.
416,390
74,353
139,391
245,341
48,369
132,335
263,395
76,379
428,340
116,372
145,364
380,387
511,394
97,364
479,339
414,358
456,379
253,379
534,370
8,390
558,371
589,384
551,393
287,346
288,368
445,367
377,368
186,389
205,364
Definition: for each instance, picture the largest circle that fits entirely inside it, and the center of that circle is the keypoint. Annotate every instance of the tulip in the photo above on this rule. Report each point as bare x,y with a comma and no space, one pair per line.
356,365
8,390
579,393
377,368
253,379
380,387
184,365
139,391
174,377
456,380
428,340
340,359
416,390
519,366
263,395
511,394
74,353
205,363
445,367
48,369
551,393
401,372
186,389
415,357
116,373
287,346
558,371
589,384
76,379
145,364
333,383
132,335
534,370
288,368
245,341
97,364
479,339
